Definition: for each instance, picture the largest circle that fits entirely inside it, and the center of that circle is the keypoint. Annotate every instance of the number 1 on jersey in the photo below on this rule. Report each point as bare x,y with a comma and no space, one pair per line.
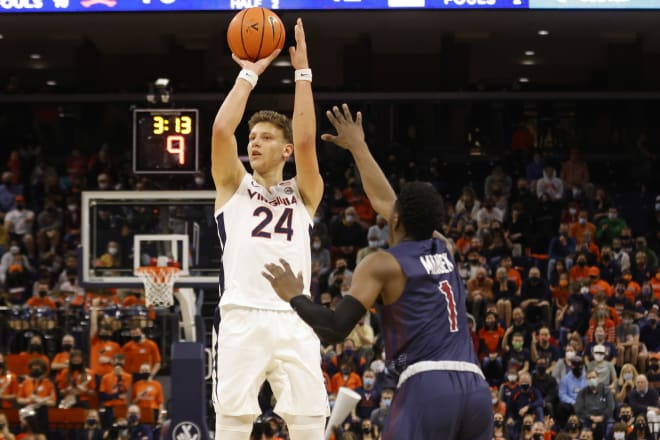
446,290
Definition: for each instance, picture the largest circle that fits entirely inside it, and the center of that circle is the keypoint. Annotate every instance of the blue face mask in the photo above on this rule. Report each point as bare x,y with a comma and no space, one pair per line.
368,381
387,402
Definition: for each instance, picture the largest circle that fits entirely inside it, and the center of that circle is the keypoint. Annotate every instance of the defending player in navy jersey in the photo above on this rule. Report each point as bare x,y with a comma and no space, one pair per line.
441,391
261,217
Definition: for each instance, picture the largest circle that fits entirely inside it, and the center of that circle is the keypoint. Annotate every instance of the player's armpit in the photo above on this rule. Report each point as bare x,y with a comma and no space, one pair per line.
331,326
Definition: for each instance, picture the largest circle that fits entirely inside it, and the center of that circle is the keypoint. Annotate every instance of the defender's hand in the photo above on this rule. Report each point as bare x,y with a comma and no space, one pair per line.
299,52
284,282
258,66
349,131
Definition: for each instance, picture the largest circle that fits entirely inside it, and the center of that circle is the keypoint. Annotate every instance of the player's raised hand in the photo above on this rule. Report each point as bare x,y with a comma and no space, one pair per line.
284,282
299,52
258,66
350,133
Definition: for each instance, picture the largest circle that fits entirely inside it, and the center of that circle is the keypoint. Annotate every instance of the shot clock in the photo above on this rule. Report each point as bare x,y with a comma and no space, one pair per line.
165,141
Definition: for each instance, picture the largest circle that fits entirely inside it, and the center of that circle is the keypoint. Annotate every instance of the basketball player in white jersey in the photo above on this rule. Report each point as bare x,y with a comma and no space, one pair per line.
261,218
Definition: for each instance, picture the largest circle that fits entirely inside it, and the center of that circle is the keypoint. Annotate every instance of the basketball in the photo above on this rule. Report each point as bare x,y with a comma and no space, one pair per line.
254,33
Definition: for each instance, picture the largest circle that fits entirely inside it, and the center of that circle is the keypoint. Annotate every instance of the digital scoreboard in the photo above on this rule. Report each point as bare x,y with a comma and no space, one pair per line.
165,141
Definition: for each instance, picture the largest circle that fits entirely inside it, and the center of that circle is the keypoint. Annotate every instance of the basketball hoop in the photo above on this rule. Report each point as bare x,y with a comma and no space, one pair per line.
158,284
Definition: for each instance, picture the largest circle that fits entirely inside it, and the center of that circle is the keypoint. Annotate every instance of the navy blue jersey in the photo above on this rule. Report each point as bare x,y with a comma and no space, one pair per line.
429,321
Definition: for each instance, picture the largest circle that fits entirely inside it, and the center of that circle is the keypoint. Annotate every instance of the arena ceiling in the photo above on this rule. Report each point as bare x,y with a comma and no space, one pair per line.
440,50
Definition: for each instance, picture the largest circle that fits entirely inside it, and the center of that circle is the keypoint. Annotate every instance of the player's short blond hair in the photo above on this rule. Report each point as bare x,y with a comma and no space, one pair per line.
277,119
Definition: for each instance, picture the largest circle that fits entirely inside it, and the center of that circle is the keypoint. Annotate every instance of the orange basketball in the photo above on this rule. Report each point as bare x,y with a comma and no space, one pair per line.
254,33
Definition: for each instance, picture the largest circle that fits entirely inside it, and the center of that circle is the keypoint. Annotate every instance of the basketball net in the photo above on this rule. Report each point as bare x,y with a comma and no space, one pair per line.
158,284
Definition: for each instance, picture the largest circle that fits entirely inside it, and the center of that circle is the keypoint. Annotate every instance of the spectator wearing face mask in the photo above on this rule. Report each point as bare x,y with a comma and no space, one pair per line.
379,230
114,389
603,368
572,427
490,342
610,227
8,385
500,429
347,236
76,383
536,298
625,419
345,377
479,293
20,220
320,261
626,382
600,339
594,405
627,341
373,245
35,350
61,359
597,284
642,270
141,350
619,300
91,430
41,299
111,258
379,415
102,347
569,387
525,431
641,429
369,393
36,389
525,400
137,430
508,386
577,229
545,383
580,270
15,267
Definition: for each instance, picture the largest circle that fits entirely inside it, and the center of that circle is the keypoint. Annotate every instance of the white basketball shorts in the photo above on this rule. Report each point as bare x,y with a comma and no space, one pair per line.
253,345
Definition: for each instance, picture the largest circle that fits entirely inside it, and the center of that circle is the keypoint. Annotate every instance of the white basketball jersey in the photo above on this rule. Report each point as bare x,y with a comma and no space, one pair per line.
257,226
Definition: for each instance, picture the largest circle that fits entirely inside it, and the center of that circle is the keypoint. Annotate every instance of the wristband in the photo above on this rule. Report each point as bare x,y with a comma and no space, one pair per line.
303,75
248,76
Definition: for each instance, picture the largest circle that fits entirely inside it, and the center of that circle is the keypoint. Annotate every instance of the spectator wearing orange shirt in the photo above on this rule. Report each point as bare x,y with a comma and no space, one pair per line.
633,289
576,230
61,359
345,377
8,385
102,347
41,299
597,284
600,318
513,273
114,389
147,393
36,389
35,350
479,293
76,383
141,350
490,342
579,271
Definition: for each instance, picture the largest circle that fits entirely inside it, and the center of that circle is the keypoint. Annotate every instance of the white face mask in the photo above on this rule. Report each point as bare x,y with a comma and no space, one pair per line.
570,355
373,243
512,377
113,251
14,250
619,435
103,185
582,220
316,246
599,357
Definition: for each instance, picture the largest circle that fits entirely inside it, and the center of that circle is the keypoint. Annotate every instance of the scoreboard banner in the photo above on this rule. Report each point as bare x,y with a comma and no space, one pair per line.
99,6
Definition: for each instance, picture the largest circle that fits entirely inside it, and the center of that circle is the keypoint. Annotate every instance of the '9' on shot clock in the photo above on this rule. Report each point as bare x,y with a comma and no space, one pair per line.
165,141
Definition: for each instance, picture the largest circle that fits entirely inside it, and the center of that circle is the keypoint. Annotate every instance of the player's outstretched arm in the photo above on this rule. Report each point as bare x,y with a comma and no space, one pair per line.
369,280
350,136
226,168
303,125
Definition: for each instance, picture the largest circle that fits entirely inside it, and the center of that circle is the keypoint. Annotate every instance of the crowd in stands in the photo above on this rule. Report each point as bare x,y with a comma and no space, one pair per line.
561,275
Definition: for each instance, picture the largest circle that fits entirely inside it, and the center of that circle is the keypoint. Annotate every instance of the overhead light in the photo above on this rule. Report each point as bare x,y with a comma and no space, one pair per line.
51,83
35,56
523,80
543,32
530,53
528,62
282,63
286,81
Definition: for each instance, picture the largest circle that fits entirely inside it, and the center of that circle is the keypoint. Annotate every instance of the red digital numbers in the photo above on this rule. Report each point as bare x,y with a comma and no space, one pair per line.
176,144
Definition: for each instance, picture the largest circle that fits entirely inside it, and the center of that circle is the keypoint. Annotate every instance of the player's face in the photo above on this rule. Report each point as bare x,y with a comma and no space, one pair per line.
267,147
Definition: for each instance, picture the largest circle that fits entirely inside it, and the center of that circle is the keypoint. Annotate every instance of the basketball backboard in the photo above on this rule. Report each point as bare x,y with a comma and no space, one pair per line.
146,225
